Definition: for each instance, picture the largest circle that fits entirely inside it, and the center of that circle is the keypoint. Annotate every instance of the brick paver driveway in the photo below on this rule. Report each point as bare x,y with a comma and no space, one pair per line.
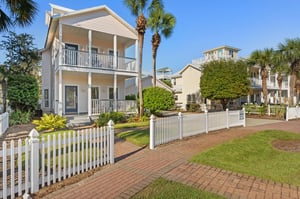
136,167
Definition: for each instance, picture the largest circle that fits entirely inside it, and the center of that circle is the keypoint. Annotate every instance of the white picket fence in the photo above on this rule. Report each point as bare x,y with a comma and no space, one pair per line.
36,163
4,122
292,113
164,130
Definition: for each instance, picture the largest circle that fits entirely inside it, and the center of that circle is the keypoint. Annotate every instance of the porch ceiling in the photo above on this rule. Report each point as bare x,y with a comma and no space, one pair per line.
81,75
99,36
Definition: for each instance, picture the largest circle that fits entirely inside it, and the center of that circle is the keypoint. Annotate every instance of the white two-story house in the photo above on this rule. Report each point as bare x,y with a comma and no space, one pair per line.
85,61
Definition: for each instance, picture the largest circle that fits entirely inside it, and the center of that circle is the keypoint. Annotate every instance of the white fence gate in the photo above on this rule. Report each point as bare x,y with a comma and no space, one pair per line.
167,129
292,113
33,163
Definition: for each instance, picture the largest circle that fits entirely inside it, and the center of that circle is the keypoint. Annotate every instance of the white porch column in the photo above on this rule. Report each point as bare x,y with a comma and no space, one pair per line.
90,74
60,90
89,93
90,47
115,51
60,93
55,94
115,92
60,44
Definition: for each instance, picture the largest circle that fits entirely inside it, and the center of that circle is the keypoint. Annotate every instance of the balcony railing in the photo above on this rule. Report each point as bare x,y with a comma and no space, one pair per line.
104,106
76,58
271,84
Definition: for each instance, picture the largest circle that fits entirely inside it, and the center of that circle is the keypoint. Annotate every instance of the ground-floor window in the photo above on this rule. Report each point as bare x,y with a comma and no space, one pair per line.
111,93
46,97
95,93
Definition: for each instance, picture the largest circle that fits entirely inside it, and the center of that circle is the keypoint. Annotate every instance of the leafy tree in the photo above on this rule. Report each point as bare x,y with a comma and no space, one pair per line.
264,59
224,80
22,92
290,54
20,13
161,23
21,58
157,99
137,8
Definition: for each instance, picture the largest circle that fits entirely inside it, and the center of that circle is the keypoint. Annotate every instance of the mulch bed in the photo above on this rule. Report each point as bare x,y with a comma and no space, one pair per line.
287,145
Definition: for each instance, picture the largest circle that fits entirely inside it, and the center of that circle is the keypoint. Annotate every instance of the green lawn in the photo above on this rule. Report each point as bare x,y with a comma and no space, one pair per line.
138,137
162,188
254,155
132,124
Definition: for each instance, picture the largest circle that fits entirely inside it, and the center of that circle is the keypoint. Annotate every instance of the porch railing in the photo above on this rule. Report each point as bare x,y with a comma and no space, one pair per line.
103,106
98,61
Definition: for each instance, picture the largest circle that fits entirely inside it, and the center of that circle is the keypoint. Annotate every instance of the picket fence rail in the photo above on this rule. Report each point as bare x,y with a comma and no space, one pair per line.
164,130
35,162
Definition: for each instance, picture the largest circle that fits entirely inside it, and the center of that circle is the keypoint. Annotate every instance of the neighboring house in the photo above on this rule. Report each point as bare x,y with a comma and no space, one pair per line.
131,85
186,86
84,61
186,83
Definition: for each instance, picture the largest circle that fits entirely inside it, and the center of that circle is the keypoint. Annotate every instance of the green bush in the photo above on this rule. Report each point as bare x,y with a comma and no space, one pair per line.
130,97
50,122
104,118
158,99
193,107
22,92
19,117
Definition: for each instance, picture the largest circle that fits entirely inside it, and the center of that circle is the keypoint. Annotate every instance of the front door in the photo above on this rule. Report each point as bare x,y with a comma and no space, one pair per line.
71,99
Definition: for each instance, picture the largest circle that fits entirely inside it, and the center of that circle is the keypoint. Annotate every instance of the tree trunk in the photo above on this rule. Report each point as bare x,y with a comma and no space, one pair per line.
298,90
224,103
141,24
155,44
279,81
293,79
3,83
264,76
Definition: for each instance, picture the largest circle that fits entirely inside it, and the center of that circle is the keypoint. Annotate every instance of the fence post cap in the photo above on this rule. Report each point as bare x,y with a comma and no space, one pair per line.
34,134
110,123
179,114
152,117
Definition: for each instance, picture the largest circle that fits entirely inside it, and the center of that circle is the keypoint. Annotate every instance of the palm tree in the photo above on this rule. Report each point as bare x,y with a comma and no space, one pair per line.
290,53
20,13
264,59
160,22
137,8
279,67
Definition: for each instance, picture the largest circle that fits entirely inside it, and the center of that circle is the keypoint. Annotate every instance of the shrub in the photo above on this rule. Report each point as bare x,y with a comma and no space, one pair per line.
104,118
22,92
130,97
50,122
158,99
19,117
193,107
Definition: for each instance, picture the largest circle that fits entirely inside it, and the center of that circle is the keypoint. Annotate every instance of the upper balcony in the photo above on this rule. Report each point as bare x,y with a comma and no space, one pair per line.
271,83
82,59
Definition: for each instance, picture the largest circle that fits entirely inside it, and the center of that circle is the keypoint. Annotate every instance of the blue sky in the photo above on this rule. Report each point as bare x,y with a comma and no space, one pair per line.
201,25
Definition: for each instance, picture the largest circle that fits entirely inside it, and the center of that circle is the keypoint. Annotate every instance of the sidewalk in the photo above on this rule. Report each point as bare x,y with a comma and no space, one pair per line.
135,168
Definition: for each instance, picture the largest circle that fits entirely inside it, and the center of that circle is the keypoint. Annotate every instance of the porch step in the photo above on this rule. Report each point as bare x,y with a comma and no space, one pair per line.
78,120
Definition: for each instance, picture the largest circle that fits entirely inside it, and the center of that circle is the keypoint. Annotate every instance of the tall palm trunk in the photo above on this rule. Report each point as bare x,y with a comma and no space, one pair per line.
3,84
141,29
293,79
264,76
155,44
279,81
297,90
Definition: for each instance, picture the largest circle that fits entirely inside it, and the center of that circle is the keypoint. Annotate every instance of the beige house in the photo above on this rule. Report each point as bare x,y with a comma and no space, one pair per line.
186,82
85,61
